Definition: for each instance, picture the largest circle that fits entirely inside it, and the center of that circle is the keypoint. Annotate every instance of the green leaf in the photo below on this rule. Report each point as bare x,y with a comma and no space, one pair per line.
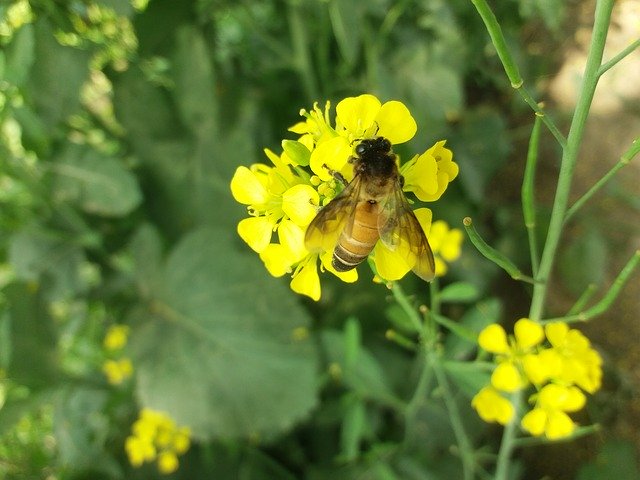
584,261
56,77
216,349
353,428
34,357
98,184
474,320
81,428
19,56
194,78
146,249
459,292
44,258
346,18
366,377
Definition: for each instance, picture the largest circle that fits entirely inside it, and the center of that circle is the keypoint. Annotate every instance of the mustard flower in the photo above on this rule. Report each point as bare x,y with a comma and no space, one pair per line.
284,197
155,436
560,370
446,245
116,367
492,406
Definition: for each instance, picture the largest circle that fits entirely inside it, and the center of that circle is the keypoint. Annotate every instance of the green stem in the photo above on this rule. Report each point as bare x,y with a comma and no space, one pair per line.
464,443
584,299
625,159
510,66
405,304
528,199
606,301
508,443
492,254
606,66
570,155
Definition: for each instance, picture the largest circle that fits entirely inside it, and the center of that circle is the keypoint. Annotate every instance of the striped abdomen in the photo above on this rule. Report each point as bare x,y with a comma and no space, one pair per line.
354,247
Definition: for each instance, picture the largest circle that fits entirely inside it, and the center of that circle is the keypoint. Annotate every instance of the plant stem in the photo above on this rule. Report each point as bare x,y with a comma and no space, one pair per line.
508,444
464,444
626,157
630,48
570,155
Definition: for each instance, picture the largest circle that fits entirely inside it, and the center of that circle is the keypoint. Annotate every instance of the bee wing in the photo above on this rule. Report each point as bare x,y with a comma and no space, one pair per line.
337,216
401,231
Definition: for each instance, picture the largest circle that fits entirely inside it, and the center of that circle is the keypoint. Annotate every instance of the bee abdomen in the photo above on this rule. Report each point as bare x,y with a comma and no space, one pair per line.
352,249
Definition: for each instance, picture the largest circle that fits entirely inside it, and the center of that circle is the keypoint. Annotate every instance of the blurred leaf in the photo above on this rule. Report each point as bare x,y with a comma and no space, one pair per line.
475,319
352,342
367,378
34,356
48,260
353,427
617,459
552,12
226,366
468,376
98,184
584,260
480,159
19,56
194,81
81,428
56,76
346,20
459,292
146,250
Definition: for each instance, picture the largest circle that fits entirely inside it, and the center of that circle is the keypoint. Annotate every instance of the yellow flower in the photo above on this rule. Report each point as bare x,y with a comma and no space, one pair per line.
446,245
577,363
285,197
510,374
116,337
155,436
117,371
549,417
492,406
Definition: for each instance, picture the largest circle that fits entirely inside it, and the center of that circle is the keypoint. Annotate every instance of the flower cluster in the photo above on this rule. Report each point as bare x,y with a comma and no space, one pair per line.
155,436
446,245
283,198
117,368
561,370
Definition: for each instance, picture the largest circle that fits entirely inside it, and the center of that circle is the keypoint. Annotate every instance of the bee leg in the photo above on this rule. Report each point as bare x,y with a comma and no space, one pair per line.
337,175
401,181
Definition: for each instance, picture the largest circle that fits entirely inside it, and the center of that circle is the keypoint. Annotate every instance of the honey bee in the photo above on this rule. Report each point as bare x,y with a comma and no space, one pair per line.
371,207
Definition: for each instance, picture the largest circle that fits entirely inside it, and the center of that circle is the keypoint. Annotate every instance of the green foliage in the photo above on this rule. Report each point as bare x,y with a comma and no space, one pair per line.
119,134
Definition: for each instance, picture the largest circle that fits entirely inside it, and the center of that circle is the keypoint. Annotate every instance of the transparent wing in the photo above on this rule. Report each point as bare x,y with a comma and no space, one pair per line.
324,230
401,232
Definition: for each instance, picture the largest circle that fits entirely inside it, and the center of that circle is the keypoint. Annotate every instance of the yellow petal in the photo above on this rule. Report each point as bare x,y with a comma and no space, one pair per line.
528,333
492,406
348,277
507,378
277,259
493,339
256,232
390,265
574,401
441,267
395,122
331,154
552,396
357,114
420,176
292,238
437,233
556,332
536,370
167,462
559,425
306,281
247,188
300,204
535,421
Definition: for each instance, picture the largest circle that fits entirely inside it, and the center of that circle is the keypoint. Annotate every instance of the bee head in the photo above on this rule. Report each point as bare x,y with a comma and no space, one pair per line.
371,145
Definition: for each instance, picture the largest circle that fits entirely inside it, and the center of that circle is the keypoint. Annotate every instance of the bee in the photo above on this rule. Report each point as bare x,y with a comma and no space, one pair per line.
371,207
